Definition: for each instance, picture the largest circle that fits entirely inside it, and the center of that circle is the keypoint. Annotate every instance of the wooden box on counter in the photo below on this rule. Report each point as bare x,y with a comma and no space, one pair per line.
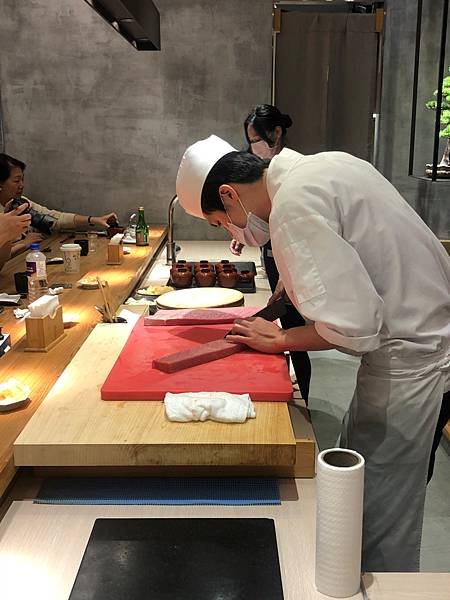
44,332
115,254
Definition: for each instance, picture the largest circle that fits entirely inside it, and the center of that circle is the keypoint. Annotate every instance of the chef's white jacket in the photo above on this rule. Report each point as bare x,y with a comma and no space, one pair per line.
355,258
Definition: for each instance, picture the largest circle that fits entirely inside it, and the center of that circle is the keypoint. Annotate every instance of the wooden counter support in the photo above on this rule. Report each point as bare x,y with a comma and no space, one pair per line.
40,370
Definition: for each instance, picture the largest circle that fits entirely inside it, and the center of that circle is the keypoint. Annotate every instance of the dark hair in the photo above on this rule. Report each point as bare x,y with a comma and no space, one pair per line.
264,118
234,167
7,163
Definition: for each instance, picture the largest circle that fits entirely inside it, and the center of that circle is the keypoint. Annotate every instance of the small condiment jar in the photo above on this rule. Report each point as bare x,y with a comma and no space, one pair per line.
181,278
228,278
246,276
205,278
203,264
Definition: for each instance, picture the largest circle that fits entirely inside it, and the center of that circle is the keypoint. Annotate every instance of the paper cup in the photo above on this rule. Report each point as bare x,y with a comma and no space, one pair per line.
71,254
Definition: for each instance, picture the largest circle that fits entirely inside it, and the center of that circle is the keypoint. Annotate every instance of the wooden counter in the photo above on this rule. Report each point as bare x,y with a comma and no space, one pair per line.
41,547
41,370
74,429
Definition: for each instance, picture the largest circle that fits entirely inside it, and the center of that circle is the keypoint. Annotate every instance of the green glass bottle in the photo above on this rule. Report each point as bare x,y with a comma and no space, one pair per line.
141,229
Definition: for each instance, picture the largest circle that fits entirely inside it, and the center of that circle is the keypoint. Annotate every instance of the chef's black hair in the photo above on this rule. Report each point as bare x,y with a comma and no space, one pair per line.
264,118
234,167
7,164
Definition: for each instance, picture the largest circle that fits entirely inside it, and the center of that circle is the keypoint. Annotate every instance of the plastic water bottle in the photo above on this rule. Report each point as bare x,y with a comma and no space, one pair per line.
37,273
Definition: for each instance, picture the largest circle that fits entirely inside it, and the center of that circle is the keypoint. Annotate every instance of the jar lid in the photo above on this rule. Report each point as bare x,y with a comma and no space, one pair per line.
72,247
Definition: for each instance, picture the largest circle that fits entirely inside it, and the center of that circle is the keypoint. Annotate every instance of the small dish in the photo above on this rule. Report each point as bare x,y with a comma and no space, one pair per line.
155,290
13,395
88,283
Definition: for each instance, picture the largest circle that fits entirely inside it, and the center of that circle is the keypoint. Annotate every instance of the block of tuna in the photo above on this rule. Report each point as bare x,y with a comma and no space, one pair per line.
197,356
200,316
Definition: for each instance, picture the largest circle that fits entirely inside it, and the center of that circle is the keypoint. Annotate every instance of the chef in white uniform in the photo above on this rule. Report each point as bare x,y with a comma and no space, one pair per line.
372,280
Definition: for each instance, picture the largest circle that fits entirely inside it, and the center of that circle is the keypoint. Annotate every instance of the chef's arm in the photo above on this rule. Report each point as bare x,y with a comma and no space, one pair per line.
328,282
265,336
303,338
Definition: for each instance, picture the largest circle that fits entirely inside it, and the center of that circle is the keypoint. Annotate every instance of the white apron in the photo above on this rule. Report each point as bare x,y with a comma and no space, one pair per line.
391,422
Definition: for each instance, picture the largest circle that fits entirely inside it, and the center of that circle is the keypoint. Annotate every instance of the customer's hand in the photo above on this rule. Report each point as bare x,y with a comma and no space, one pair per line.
9,207
13,224
32,238
279,292
102,221
236,247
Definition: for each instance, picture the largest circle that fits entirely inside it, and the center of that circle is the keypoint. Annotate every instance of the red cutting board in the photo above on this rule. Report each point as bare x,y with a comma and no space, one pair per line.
264,376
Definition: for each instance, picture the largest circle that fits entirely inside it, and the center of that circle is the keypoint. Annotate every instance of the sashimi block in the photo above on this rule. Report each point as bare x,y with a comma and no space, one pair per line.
199,355
200,316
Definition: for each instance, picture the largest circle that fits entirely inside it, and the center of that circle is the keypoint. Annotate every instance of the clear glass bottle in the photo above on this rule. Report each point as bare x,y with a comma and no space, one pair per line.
141,229
37,273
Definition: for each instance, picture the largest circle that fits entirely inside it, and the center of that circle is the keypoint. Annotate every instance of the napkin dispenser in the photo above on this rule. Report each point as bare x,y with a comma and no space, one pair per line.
44,326
115,250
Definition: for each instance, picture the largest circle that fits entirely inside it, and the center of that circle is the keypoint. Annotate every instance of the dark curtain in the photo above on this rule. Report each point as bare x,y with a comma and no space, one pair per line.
326,80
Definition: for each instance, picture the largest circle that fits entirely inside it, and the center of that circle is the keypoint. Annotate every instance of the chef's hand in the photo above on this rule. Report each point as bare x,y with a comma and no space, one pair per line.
102,221
236,247
278,293
258,334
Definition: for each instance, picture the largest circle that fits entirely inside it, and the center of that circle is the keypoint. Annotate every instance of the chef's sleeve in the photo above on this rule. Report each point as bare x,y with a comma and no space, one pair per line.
326,279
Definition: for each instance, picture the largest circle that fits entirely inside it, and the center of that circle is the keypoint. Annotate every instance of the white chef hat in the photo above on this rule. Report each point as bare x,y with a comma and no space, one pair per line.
197,162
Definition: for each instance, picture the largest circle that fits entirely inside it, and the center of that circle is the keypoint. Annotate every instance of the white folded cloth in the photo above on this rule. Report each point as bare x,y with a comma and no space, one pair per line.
10,298
43,306
217,406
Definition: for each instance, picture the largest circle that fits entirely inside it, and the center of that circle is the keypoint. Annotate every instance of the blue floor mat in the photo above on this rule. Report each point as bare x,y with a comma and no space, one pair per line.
158,490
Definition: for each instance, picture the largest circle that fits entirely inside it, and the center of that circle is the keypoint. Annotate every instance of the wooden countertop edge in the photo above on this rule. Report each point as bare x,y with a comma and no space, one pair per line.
202,454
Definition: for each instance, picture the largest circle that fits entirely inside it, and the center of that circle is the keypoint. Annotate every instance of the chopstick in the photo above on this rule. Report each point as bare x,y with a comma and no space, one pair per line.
108,300
105,302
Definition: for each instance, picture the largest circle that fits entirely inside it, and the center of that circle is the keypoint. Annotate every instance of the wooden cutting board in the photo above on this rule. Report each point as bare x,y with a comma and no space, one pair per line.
264,376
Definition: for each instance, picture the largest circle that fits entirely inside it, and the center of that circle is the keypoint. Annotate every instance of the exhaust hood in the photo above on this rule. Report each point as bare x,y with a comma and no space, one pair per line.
136,20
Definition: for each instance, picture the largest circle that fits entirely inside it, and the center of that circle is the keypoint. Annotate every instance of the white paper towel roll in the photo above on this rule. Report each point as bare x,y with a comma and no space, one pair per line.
340,489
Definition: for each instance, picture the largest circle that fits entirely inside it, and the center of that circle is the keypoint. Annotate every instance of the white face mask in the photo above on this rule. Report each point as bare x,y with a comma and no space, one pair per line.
263,150
255,233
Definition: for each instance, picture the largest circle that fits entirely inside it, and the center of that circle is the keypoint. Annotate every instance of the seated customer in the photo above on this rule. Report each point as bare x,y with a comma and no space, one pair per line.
11,187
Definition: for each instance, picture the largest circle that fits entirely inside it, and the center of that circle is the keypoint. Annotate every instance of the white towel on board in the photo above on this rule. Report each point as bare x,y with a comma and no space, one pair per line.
217,406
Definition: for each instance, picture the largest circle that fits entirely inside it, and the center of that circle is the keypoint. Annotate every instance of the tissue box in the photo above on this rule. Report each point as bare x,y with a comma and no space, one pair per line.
44,332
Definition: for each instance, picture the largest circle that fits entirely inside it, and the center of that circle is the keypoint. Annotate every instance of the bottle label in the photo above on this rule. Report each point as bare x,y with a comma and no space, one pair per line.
37,267
141,238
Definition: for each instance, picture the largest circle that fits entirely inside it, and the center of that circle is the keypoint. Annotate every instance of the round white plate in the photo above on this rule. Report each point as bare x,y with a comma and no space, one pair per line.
207,297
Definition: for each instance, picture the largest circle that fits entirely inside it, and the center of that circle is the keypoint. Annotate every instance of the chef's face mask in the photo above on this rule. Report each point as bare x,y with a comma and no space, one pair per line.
255,233
263,150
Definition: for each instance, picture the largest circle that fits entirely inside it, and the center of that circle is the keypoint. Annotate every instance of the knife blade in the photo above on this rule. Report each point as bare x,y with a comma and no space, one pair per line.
271,312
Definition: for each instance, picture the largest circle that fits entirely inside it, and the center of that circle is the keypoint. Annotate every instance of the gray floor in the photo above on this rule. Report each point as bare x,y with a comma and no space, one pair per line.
332,387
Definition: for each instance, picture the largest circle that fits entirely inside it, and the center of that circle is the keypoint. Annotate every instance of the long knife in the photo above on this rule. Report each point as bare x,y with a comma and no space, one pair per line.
271,312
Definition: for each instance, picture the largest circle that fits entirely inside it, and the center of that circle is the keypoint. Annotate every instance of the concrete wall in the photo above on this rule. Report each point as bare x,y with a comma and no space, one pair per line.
103,127
431,200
